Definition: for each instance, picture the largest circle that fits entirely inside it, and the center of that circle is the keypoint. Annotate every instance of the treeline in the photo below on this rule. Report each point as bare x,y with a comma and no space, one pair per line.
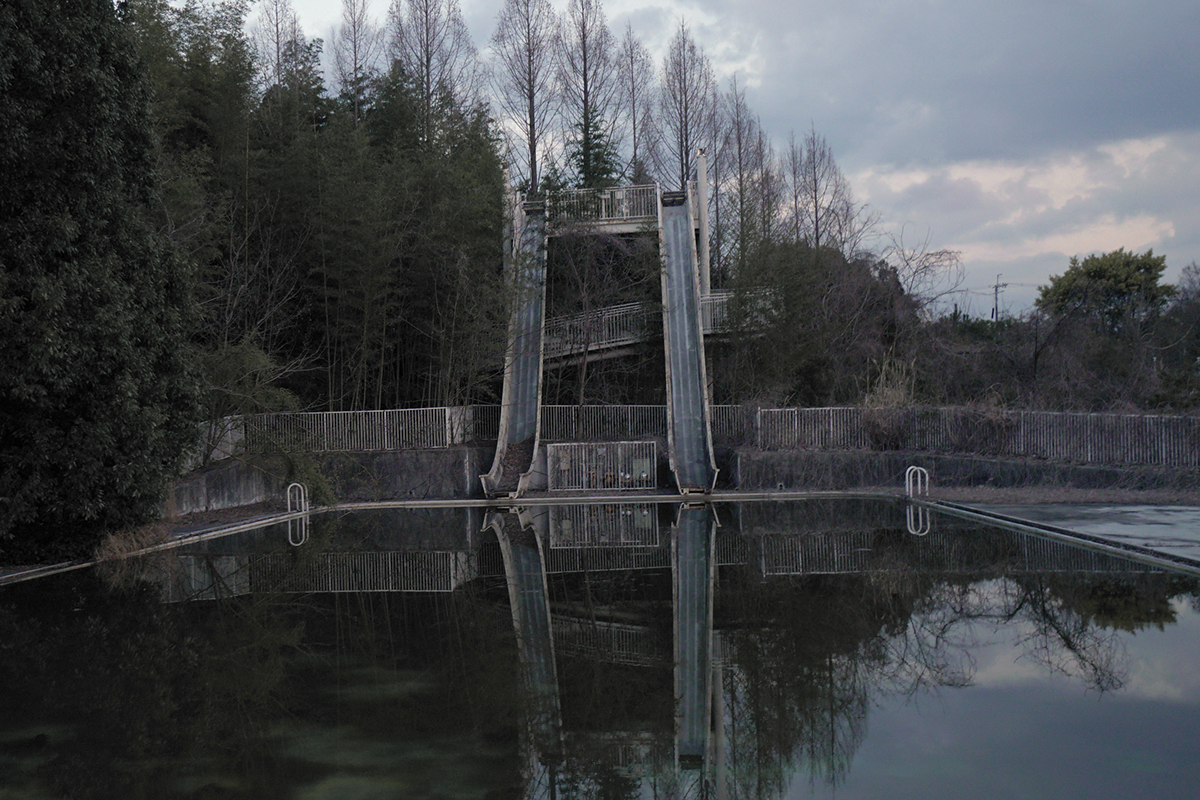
346,239
348,236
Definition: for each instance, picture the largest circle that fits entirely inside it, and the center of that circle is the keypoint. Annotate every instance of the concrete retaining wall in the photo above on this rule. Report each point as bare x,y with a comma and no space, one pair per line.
229,484
443,474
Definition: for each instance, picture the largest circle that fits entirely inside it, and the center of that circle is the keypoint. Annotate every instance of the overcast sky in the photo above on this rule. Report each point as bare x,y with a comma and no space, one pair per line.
1021,132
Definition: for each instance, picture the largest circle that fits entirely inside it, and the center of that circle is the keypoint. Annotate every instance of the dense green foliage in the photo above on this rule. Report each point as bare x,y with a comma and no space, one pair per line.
1120,289
347,247
96,388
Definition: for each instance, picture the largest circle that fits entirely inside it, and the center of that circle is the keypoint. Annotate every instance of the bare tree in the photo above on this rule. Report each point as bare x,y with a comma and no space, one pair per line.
793,170
635,78
525,45
587,80
687,104
740,130
429,39
768,185
277,25
926,275
356,49
823,189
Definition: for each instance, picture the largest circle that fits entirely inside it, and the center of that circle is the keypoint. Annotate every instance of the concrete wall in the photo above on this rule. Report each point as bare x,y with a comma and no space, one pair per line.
442,474
449,473
229,484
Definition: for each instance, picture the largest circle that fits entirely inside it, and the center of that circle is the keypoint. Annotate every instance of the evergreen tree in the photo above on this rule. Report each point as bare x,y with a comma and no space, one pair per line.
97,400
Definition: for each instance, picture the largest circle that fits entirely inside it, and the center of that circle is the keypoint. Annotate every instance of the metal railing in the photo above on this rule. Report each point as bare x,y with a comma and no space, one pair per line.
1156,440
619,204
614,326
1083,438
603,423
621,325
604,465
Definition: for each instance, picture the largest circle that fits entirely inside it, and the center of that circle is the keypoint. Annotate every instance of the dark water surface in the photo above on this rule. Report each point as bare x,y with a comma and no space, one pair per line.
768,650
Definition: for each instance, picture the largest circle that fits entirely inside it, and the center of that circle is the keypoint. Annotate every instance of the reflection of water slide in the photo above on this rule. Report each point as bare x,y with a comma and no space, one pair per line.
516,445
689,435
693,579
530,605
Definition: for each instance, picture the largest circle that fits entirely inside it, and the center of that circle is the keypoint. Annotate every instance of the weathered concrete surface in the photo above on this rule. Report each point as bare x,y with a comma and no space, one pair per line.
1170,529
444,474
228,484
757,469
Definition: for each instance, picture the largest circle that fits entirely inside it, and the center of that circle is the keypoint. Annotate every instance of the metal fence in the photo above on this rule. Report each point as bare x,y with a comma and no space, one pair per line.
603,423
619,204
352,430
1056,436
601,465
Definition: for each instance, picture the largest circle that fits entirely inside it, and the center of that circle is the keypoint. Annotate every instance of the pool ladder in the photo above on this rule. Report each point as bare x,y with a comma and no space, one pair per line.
297,501
916,484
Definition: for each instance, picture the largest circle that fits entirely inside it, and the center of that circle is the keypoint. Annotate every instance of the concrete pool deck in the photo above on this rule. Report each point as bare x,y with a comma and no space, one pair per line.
1171,529
1168,529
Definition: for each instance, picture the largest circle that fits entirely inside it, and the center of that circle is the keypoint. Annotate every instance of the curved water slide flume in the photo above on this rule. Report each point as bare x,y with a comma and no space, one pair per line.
689,427
521,397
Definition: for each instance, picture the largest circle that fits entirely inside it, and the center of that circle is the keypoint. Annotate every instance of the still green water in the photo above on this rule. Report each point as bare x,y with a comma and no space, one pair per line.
809,649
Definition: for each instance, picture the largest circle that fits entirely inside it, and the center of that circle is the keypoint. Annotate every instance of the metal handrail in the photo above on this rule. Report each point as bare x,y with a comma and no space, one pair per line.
297,502
618,204
620,325
916,481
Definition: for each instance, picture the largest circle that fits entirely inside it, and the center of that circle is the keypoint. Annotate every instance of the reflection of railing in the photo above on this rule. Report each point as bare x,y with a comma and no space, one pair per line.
619,204
604,525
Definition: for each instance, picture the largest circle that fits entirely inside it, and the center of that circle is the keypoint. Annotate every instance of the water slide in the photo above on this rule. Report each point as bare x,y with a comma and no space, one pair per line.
521,396
689,434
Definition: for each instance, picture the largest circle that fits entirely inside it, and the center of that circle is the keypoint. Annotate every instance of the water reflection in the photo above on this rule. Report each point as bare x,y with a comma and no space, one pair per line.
616,651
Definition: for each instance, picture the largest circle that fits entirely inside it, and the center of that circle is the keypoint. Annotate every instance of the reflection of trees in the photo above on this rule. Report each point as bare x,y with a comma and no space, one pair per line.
809,654
798,696
135,681
126,685
1075,621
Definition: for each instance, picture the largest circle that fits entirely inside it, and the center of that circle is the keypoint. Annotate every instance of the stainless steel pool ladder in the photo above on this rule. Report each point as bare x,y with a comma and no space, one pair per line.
916,484
297,501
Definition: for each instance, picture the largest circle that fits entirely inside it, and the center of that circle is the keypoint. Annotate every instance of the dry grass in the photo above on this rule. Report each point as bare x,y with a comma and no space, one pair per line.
121,557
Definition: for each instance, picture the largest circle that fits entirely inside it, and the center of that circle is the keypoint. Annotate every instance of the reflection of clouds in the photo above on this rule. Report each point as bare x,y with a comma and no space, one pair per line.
999,664
1164,662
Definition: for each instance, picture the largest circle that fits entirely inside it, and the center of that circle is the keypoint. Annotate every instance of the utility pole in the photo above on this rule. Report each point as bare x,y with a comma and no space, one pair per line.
996,297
